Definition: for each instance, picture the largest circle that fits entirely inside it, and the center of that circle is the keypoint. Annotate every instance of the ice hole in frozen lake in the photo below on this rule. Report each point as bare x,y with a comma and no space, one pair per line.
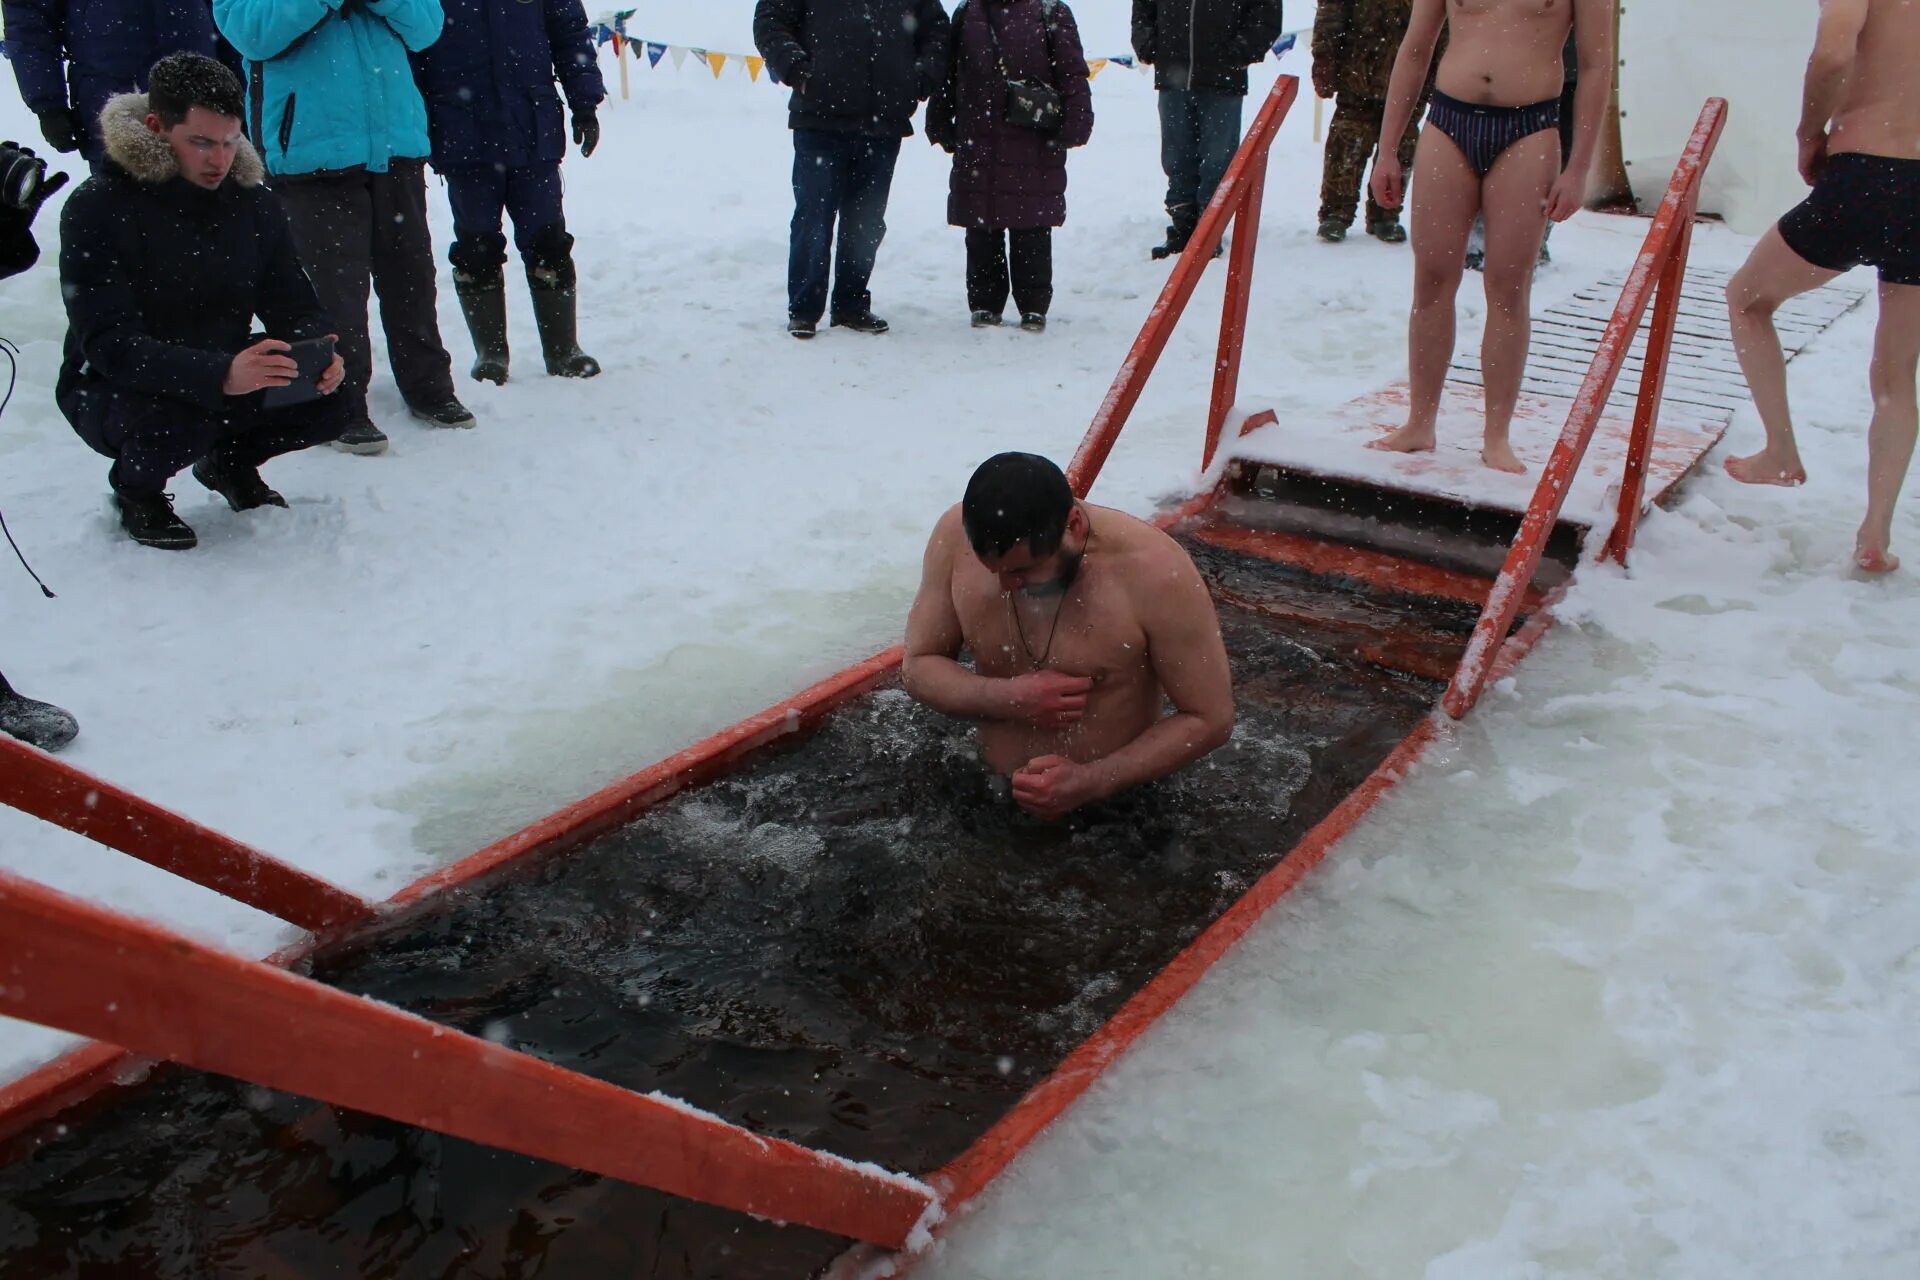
854,942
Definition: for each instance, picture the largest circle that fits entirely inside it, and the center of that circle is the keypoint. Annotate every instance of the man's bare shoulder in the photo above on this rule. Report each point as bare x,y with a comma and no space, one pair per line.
1145,555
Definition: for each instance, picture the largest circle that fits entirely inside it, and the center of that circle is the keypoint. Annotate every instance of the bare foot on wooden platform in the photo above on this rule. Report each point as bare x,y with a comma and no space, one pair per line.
1499,455
1408,439
1767,467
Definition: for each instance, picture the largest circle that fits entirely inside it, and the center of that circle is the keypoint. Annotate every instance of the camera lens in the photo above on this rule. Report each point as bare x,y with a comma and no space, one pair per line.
20,177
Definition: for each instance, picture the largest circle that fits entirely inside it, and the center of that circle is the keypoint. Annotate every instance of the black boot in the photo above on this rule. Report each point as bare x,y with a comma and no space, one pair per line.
149,520
551,278
38,724
1183,219
240,485
483,301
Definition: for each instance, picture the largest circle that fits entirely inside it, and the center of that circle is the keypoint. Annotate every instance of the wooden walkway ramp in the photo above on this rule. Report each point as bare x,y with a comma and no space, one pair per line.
1704,390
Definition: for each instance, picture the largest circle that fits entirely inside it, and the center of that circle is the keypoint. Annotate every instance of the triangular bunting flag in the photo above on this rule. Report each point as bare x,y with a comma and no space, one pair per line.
679,55
619,45
655,52
1095,67
1126,62
1285,43
754,64
620,20
718,61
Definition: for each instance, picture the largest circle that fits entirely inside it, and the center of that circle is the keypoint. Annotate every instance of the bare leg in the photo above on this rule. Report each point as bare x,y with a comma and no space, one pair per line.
1514,199
1445,195
1773,273
1896,356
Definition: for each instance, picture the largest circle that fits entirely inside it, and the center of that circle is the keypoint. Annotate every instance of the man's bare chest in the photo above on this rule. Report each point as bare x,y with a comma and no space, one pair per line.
1090,630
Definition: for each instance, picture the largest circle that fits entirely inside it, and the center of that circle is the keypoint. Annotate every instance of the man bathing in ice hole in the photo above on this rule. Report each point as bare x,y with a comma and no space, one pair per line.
1083,622
1491,146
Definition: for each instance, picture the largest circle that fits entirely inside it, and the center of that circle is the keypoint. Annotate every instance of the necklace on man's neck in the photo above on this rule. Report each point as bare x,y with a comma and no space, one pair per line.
1067,583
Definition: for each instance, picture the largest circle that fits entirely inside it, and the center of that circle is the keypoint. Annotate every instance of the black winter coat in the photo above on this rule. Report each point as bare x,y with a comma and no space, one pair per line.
489,81
1003,175
1204,45
857,66
163,278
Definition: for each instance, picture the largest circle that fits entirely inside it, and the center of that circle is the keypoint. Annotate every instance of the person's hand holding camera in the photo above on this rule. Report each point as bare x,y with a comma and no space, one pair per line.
262,365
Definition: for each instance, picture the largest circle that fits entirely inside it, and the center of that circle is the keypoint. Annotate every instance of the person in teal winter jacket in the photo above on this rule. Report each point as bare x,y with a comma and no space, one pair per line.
333,108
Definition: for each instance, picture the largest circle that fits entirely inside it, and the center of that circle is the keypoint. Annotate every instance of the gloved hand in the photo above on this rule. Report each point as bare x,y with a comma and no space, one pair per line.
60,129
586,129
1323,80
19,219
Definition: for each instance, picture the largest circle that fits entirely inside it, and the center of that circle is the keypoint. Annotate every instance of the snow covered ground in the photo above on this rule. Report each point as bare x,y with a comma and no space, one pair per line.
1623,982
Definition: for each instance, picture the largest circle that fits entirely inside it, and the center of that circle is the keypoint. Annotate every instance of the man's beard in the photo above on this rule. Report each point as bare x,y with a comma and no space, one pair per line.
1060,582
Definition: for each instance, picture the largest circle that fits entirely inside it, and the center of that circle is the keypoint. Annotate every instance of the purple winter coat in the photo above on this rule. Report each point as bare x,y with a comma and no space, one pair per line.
1005,176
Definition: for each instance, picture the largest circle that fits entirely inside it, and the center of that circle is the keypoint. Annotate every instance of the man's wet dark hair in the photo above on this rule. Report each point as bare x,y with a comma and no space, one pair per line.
1015,498
180,82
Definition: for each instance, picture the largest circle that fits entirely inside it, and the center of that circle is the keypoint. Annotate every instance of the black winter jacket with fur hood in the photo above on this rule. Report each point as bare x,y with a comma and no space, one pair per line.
163,279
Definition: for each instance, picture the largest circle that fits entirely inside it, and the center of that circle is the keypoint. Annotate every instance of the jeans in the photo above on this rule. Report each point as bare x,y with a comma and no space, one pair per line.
1199,132
845,176
356,228
1029,272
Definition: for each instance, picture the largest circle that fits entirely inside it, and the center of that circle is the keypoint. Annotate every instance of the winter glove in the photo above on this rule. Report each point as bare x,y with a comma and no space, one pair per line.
586,129
1323,79
16,221
60,129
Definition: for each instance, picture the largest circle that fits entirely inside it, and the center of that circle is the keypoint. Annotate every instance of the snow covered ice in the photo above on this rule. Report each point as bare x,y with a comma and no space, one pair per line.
1623,981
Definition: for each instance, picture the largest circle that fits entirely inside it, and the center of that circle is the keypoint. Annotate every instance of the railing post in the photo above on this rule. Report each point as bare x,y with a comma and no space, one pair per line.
1653,385
67,964
1233,314
1178,291
1671,225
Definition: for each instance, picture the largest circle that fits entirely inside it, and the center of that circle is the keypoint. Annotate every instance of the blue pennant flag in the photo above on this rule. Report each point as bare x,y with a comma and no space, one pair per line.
1285,43
1126,62
655,52
620,21
602,34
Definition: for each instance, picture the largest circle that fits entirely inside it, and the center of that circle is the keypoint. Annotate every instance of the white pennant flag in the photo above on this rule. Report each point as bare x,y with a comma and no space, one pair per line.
679,55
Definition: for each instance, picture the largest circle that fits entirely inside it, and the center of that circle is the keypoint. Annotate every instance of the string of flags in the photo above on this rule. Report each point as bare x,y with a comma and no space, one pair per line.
611,28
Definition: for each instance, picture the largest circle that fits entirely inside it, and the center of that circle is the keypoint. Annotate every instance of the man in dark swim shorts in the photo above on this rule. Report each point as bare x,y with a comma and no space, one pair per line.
1860,152
1492,148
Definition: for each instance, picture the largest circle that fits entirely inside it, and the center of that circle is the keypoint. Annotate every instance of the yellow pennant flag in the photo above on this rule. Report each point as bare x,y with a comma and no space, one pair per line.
718,62
753,68
1095,67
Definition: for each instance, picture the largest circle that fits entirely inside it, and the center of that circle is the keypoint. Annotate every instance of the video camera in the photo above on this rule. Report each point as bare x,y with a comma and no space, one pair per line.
22,174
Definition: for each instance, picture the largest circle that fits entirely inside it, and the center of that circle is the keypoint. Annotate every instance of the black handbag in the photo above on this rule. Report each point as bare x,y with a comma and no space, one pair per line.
1029,104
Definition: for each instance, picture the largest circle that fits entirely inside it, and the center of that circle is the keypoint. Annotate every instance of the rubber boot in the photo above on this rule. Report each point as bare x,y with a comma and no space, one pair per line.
483,301
551,278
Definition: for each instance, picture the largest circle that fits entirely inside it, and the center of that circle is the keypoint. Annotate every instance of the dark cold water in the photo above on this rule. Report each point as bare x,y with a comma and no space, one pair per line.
857,944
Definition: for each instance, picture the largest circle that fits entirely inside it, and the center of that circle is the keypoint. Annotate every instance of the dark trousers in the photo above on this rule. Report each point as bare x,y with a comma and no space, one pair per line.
356,228
482,194
152,438
1351,140
843,176
1199,132
1027,270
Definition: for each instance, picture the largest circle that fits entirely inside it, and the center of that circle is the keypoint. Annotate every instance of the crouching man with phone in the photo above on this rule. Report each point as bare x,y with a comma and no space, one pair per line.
167,255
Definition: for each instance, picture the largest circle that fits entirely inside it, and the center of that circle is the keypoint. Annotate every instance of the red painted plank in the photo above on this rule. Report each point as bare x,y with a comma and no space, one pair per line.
56,792
74,966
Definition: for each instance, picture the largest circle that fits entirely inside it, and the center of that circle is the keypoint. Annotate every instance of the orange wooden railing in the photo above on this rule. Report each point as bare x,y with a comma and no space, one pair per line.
1661,268
1236,203
56,792
70,965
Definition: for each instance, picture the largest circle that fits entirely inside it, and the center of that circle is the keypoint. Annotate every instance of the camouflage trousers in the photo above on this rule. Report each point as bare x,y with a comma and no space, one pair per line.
1350,142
